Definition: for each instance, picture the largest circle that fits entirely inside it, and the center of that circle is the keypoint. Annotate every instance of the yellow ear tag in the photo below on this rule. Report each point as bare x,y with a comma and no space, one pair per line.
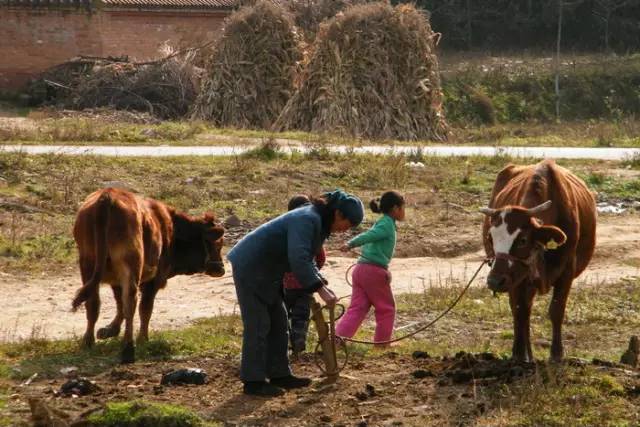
552,244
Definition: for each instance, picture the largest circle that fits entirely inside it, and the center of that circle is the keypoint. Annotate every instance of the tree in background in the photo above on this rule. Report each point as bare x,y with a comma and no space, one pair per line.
590,25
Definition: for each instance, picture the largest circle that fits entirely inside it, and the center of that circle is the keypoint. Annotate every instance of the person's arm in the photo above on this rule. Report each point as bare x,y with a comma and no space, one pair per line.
300,235
379,231
321,258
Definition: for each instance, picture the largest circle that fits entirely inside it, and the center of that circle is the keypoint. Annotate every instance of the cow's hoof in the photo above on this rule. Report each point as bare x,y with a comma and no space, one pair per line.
128,354
88,341
108,332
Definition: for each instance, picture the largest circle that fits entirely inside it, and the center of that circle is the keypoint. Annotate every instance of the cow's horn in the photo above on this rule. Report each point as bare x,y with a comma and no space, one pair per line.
488,211
540,208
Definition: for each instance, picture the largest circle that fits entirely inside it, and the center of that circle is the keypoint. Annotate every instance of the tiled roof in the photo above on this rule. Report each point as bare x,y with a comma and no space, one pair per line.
134,4
46,3
171,4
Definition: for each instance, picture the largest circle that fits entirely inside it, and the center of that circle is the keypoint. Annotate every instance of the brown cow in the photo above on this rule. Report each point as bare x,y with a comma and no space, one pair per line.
135,244
540,231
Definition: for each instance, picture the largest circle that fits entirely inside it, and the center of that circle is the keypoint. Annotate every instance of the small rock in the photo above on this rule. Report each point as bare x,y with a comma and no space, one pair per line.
78,386
325,418
30,380
371,391
420,355
362,396
415,165
185,376
158,389
233,221
69,371
422,373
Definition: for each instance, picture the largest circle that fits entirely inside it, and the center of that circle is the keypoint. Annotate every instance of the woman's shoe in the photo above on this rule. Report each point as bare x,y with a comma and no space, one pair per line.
262,388
290,382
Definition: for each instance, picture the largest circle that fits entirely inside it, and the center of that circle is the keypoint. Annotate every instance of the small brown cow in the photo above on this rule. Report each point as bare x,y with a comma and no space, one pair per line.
540,231
133,243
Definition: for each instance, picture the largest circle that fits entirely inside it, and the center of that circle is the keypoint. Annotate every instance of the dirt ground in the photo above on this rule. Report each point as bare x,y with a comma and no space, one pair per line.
40,307
388,390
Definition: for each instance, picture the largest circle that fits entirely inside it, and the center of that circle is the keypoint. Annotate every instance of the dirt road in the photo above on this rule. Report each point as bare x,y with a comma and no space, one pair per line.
40,306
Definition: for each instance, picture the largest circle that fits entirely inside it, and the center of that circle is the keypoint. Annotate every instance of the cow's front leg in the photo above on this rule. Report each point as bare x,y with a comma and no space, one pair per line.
113,328
147,298
521,301
556,313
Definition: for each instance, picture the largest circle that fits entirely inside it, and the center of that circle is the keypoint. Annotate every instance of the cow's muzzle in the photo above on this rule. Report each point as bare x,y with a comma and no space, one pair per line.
215,268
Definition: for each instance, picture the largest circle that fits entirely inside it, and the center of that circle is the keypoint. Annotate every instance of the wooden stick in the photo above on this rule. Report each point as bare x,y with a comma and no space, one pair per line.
325,338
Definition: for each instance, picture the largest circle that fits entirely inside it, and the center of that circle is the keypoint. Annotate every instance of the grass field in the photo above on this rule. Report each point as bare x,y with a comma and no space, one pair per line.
40,194
577,393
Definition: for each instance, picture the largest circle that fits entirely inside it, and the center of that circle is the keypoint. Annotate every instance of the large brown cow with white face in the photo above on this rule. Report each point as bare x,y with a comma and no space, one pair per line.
137,244
540,231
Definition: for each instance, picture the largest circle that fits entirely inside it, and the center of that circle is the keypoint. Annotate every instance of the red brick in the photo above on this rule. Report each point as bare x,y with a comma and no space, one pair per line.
32,40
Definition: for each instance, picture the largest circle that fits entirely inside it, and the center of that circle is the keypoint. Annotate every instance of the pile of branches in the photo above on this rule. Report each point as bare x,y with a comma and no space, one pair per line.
373,73
250,75
165,88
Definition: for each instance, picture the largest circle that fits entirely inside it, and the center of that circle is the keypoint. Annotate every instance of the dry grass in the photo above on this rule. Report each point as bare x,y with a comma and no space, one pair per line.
256,186
252,70
373,73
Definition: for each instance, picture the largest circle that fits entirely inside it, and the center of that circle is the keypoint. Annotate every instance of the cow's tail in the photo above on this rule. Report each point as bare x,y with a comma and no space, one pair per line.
100,230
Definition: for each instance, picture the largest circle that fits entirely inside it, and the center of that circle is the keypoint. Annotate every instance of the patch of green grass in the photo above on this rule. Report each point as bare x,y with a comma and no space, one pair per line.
612,187
5,371
481,322
5,421
560,396
267,151
520,94
219,335
146,414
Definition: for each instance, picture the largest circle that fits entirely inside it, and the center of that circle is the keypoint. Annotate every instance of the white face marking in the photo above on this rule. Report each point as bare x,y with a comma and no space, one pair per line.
502,240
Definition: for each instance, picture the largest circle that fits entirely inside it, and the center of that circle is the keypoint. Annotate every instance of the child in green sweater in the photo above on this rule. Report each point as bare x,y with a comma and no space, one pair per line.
371,278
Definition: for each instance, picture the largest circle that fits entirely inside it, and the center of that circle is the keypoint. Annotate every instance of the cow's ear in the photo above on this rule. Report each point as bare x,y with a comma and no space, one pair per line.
549,236
214,233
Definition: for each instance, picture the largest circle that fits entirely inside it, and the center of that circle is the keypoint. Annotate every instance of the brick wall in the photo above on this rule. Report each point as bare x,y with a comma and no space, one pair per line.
32,40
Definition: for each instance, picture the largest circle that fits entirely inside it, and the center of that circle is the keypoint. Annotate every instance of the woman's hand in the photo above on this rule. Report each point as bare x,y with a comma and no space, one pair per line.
327,296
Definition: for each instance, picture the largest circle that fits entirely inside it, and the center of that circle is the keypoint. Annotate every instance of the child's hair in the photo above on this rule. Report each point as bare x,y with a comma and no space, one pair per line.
386,202
297,201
